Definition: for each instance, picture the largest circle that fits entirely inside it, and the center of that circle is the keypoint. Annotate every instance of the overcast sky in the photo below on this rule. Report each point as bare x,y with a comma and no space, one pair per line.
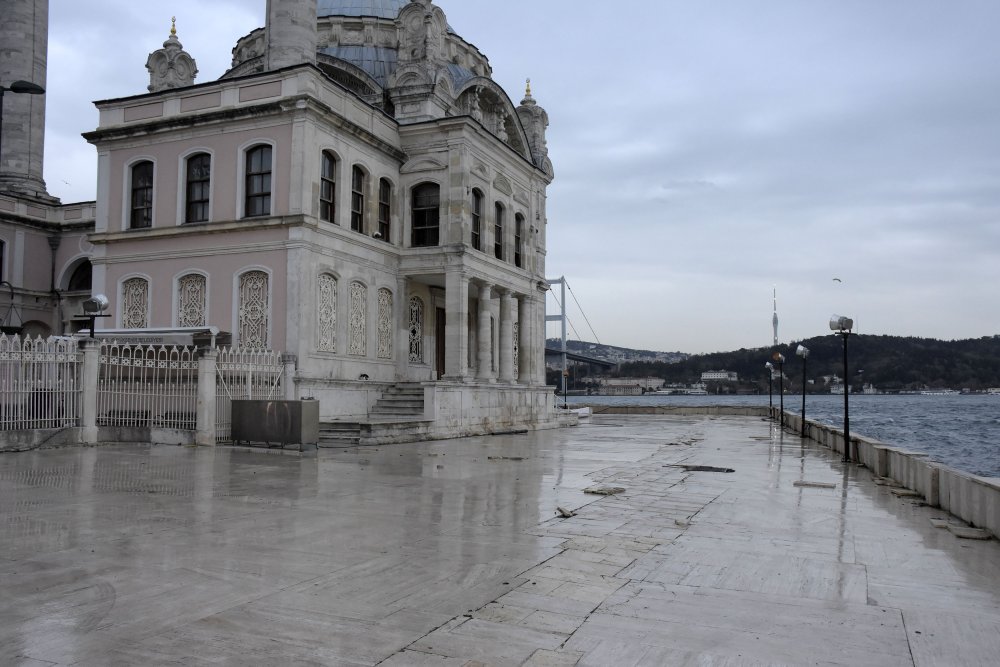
705,152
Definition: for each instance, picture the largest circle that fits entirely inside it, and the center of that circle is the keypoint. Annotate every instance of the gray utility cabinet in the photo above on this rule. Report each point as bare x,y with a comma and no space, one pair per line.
276,422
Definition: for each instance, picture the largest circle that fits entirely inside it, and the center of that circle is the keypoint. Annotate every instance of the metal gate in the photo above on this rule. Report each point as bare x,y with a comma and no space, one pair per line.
244,373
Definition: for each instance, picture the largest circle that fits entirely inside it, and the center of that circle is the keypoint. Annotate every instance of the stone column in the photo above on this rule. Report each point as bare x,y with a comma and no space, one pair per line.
24,38
401,306
91,372
506,338
456,327
538,337
485,370
206,414
289,361
524,369
291,33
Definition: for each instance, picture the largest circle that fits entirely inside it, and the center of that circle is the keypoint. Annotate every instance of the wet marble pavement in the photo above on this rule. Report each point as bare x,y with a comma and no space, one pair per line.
452,553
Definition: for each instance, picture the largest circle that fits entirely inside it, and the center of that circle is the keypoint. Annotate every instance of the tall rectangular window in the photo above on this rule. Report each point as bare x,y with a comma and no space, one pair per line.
199,174
327,188
498,231
258,182
477,220
142,196
384,209
518,239
357,199
426,215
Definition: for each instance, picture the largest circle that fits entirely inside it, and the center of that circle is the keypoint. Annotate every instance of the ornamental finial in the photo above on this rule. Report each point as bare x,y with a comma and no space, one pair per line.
527,88
173,26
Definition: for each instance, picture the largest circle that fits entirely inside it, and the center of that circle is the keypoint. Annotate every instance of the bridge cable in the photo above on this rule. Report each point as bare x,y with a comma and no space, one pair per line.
568,320
583,313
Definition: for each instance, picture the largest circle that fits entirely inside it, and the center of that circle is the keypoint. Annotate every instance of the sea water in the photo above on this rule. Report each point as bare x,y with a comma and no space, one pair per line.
959,430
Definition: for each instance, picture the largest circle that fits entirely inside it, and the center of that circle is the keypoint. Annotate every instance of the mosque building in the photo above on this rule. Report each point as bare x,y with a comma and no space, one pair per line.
355,191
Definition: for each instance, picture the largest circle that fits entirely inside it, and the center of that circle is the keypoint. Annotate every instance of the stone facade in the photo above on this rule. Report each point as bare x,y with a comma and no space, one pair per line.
374,206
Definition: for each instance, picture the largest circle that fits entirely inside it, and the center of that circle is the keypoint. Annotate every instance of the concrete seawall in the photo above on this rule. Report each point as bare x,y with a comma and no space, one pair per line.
974,499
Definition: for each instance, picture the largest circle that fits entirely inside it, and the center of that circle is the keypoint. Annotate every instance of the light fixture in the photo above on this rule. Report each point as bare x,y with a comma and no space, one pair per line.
770,377
843,325
803,352
93,308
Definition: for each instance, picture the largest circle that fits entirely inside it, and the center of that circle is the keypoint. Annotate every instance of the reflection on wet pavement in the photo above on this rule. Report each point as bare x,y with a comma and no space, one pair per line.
452,551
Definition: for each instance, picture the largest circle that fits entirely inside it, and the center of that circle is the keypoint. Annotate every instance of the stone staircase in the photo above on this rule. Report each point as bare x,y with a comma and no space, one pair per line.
399,405
402,401
339,434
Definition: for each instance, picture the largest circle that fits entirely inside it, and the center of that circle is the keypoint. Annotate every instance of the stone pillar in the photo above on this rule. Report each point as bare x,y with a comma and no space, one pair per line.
402,317
91,372
291,33
24,39
290,362
485,358
457,323
204,434
524,340
538,339
506,338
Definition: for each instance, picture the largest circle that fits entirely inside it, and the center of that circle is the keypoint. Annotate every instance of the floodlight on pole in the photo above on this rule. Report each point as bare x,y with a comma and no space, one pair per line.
780,358
803,352
770,377
842,326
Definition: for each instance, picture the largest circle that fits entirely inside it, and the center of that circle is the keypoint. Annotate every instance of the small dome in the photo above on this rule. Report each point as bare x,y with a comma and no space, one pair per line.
385,9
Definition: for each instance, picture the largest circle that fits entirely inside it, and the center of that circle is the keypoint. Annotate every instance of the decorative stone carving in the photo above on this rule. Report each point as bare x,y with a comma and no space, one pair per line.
326,313
254,309
358,319
135,303
384,327
171,66
517,348
416,330
191,301
535,120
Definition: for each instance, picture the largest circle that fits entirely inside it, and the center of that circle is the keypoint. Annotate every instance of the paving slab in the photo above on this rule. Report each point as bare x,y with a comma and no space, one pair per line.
451,553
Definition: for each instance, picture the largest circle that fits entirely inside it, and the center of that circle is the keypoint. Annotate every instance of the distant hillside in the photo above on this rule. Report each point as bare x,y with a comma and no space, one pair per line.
891,363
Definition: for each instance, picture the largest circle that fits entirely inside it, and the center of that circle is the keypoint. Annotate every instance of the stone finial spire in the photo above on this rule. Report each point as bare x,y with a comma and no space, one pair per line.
171,66
535,120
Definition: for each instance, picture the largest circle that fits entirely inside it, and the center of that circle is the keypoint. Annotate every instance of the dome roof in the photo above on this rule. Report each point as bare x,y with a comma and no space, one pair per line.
385,9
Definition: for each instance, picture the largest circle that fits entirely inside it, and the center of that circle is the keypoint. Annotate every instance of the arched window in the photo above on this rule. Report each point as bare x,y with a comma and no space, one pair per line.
326,313
141,215
135,303
518,239
258,182
81,278
192,300
254,309
498,231
417,330
426,215
384,209
199,176
358,199
3,258
327,188
477,220
359,319
384,329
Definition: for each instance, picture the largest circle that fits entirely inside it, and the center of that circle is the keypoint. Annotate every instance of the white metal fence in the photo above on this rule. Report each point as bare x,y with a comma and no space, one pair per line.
147,386
244,373
40,386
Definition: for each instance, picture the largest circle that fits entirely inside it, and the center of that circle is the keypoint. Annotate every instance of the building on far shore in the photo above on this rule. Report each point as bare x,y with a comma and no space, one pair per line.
720,376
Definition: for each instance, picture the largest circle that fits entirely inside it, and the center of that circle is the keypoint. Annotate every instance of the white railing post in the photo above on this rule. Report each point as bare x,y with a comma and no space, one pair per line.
89,380
289,362
205,420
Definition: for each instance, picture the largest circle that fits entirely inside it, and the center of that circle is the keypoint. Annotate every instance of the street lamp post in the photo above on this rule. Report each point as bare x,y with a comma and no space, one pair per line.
770,379
780,358
843,325
803,352
17,87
